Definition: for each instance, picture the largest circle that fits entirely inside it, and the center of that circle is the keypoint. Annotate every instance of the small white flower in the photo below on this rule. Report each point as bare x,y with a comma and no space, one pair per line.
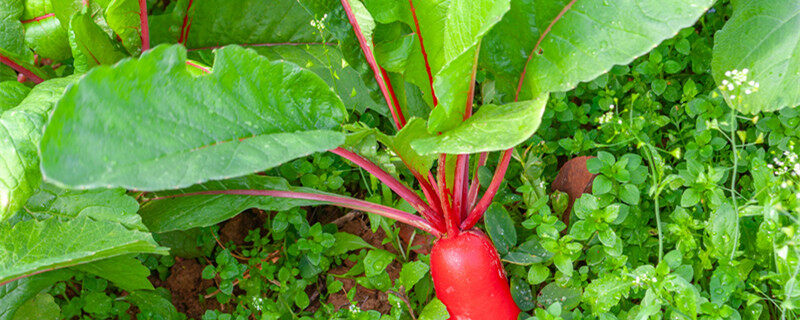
733,96
745,71
730,87
727,73
747,91
611,107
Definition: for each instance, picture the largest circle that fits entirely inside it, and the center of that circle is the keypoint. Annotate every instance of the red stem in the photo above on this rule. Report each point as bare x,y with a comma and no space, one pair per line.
371,61
145,27
204,69
400,116
267,45
341,201
39,18
487,198
185,26
538,42
27,73
424,53
473,188
500,172
460,185
396,186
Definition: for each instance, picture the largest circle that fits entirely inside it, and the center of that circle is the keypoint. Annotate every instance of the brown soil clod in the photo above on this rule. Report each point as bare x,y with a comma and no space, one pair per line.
237,228
575,179
186,285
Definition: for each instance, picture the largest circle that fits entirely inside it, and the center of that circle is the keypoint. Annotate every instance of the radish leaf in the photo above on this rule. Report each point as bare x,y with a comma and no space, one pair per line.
761,36
249,115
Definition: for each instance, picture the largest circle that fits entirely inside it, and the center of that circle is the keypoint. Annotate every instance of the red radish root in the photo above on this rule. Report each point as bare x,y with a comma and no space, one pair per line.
469,278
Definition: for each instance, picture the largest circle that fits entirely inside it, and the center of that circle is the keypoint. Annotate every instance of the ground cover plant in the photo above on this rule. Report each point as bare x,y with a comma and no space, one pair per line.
134,130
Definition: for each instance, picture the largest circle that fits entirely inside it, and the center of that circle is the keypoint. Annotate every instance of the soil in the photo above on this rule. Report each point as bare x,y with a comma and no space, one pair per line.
237,228
575,179
366,299
186,285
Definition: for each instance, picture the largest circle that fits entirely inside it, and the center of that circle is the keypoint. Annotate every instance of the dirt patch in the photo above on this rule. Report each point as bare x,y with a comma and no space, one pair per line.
366,299
186,285
575,179
422,242
237,228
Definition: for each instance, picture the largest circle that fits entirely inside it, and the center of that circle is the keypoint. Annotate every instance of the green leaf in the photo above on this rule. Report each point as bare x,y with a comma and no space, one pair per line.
412,272
607,236
16,293
43,33
220,22
604,293
12,38
376,261
630,194
20,133
722,229
500,227
569,297
186,243
686,296
601,185
123,17
563,263
99,204
401,144
464,24
279,112
181,213
42,306
326,62
590,38
760,36
345,242
538,273
32,246
434,310
491,128
690,197
522,294
125,272
11,94
154,305
724,282
91,46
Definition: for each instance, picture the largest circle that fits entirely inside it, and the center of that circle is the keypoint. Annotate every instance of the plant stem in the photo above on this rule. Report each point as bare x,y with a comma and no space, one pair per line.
733,125
145,28
272,44
424,53
459,187
337,200
475,185
660,233
396,186
371,61
487,198
28,73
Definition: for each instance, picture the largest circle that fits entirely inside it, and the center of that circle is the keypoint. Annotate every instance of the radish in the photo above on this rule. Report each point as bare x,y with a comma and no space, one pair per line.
469,278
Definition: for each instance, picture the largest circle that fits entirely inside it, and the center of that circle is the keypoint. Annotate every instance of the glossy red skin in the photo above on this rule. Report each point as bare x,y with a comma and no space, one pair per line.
469,278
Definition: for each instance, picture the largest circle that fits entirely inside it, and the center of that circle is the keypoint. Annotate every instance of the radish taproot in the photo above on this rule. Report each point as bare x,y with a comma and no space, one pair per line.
469,278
